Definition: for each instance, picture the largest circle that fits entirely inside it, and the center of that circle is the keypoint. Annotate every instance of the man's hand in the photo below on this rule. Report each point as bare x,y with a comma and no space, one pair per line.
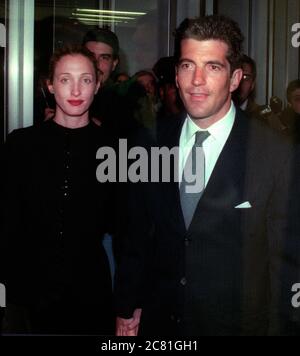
129,327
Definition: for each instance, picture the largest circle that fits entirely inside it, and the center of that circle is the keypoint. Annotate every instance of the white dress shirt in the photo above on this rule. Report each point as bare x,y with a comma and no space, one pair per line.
212,146
244,105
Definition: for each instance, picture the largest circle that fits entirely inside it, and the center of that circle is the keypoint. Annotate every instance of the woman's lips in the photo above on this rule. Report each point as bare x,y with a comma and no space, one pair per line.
75,102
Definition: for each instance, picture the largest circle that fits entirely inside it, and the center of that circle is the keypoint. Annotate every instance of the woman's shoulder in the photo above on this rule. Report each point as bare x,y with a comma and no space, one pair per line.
25,135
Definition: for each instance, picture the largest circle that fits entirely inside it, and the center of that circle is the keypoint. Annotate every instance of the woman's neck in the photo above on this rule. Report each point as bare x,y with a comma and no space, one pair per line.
72,122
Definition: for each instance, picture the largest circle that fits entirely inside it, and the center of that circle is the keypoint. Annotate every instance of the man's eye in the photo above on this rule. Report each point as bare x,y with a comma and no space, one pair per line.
64,80
186,66
247,77
214,67
105,57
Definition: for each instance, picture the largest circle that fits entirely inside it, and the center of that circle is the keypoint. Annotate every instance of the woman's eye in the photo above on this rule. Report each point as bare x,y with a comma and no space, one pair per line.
87,80
64,80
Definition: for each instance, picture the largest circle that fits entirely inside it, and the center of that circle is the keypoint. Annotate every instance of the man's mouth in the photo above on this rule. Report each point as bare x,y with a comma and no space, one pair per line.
199,96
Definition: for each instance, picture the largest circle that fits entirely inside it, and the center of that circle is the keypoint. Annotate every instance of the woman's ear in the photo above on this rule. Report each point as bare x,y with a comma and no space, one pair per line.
50,87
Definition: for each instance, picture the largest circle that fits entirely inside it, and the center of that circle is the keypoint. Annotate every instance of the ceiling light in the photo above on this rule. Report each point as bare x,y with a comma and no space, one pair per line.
95,20
104,16
112,12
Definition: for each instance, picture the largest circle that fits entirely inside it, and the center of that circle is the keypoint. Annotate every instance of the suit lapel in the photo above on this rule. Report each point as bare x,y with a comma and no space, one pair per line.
227,182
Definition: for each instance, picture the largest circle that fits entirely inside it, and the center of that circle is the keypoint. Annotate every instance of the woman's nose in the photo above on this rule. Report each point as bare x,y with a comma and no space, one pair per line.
76,89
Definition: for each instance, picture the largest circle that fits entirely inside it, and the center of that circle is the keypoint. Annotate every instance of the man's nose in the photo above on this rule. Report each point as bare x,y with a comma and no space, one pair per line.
199,77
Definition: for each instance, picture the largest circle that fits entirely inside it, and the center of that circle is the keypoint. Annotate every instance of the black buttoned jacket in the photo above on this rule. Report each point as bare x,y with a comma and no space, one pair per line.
232,271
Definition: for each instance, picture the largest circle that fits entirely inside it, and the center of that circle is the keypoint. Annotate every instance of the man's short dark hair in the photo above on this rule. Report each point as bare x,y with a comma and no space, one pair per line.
213,27
295,84
103,35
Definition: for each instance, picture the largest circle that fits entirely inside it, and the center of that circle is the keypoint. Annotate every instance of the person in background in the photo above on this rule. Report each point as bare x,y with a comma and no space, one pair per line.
105,46
171,104
148,80
244,96
290,117
144,83
122,77
220,259
52,262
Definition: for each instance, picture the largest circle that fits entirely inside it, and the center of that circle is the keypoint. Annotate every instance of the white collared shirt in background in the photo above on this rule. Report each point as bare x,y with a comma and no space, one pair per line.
212,146
244,105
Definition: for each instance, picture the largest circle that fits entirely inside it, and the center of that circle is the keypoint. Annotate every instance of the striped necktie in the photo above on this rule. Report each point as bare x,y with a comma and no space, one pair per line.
189,192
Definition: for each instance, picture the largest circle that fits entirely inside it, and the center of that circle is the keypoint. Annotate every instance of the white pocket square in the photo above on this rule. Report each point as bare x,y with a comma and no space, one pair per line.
245,205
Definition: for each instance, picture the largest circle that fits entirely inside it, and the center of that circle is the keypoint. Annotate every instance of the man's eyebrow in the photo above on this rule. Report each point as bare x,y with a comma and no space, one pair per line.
185,60
216,63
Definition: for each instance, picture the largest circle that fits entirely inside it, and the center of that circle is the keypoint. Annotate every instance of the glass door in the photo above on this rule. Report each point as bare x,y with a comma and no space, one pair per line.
141,26
2,68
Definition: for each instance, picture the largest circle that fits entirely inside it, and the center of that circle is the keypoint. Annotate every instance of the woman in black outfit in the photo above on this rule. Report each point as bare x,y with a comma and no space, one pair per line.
55,213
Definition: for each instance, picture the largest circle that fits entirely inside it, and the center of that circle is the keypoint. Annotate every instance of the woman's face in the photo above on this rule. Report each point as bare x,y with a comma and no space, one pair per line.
74,86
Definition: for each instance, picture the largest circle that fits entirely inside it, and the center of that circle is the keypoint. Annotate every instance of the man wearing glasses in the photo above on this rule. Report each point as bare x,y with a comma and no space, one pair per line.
244,95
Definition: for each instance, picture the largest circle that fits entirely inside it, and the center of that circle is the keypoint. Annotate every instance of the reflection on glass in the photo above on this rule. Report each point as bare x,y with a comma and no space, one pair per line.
145,39
2,70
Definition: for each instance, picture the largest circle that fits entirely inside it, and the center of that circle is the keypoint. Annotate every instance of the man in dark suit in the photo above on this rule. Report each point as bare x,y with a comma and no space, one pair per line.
222,260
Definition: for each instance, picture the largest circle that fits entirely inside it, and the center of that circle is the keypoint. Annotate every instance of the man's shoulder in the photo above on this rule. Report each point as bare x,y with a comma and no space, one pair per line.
263,139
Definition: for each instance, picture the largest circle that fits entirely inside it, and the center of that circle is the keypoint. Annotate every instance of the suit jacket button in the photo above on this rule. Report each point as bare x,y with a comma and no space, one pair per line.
183,281
187,242
175,319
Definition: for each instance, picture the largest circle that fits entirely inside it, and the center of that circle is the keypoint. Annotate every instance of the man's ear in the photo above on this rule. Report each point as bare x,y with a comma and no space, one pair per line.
235,79
176,77
50,87
115,63
98,85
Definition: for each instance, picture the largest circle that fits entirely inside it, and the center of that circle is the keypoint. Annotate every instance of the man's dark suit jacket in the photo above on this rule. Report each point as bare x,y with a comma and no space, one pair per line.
232,271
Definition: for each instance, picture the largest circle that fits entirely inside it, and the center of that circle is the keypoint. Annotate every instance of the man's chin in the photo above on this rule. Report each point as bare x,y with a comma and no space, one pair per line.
199,115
